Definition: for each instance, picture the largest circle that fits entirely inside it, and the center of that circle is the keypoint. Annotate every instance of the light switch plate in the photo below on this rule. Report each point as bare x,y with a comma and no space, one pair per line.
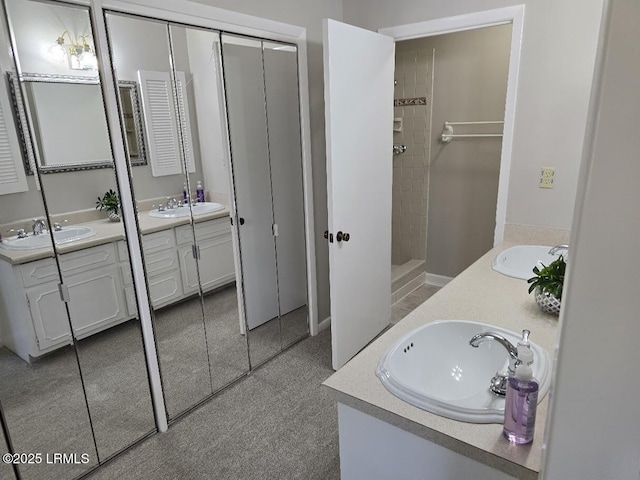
547,176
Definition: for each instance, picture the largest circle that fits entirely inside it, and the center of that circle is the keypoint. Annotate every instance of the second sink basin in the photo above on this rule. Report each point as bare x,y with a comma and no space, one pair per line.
33,242
519,261
434,368
197,208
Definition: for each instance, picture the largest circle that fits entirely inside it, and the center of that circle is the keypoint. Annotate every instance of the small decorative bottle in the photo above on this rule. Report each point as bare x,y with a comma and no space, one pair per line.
522,398
185,193
200,192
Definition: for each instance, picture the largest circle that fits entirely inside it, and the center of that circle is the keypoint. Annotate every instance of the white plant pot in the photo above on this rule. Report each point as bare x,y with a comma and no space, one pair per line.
547,302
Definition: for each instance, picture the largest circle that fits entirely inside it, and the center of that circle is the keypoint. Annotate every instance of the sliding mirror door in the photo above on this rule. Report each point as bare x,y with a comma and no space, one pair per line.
261,87
196,59
41,387
285,160
183,201
64,112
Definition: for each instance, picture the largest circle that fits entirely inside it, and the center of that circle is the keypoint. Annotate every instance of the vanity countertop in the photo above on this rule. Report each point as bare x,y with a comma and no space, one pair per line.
107,232
478,294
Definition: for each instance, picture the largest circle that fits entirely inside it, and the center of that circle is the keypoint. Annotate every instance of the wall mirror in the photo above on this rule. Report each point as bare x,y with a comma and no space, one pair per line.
62,123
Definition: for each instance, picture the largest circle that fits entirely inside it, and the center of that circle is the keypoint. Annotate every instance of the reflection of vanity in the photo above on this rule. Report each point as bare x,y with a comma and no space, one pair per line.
98,277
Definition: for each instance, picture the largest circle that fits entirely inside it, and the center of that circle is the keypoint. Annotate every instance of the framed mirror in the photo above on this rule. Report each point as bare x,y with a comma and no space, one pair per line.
62,125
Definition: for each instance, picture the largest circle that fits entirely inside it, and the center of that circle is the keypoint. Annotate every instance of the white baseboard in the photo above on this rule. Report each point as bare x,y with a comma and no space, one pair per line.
437,280
324,324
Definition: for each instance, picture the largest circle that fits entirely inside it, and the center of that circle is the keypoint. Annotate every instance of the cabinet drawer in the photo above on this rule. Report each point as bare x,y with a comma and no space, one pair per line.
45,270
123,251
161,262
39,272
211,228
155,242
87,259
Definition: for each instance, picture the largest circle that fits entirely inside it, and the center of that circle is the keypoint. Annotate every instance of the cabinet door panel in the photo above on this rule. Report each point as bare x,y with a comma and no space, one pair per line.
165,289
49,316
216,263
97,300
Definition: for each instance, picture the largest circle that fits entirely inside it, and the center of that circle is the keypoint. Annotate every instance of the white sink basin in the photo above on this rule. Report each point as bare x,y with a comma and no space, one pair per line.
32,242
197,208
435,368
519,261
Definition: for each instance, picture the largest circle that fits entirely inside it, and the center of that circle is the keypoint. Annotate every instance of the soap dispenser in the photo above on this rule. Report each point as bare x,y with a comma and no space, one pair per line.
185,193
522,397
200,192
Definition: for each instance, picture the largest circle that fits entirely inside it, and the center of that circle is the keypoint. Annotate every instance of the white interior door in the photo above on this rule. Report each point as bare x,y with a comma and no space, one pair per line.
358,79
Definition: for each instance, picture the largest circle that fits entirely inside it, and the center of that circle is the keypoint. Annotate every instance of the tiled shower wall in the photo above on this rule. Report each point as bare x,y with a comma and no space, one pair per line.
412,99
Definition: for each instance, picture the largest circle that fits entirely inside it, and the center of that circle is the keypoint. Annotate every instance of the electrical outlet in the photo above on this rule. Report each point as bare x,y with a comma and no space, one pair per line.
547,175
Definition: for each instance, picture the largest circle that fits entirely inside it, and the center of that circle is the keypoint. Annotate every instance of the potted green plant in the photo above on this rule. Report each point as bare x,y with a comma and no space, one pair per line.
111,203
548,284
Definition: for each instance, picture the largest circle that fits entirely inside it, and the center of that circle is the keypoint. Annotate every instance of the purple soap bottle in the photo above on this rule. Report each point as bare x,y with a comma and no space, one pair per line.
522,398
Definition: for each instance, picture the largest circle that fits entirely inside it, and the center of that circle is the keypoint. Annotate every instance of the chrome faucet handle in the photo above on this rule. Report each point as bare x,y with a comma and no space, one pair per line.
57,226
19,232
557,248
498,384
38,226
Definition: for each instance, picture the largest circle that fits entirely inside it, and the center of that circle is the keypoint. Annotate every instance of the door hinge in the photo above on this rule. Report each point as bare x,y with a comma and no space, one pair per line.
195,250
274,229
328,236
64,293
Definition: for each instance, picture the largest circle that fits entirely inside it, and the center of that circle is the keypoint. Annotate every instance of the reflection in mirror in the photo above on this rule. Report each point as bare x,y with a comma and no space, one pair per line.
165,216
244,87
90,252
41,389
66,115
197,53
285,155
261,85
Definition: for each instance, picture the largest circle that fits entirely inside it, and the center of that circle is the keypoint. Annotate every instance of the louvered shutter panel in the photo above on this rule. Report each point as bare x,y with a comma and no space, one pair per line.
183,108
160,123
12,176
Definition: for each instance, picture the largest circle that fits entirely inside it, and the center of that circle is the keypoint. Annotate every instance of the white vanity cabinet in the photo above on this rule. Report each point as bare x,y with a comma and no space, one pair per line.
217,266
33,318
40,324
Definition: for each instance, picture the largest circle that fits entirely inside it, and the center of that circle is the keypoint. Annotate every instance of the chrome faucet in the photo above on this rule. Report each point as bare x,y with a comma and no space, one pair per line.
38,226
557,248
171,203
499,381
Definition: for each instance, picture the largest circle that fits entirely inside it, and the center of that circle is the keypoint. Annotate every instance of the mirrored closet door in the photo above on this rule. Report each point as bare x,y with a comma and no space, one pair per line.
261,86
165,194
75,268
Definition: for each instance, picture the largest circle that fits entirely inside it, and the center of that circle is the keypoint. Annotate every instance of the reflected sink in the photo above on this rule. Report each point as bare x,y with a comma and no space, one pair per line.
32,242
434,368
197,208
519,261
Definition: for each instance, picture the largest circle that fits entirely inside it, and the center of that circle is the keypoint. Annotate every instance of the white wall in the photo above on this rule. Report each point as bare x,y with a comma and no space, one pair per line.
593,428
558,53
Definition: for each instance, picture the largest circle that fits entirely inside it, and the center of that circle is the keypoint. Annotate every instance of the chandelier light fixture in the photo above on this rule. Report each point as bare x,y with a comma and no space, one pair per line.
77,53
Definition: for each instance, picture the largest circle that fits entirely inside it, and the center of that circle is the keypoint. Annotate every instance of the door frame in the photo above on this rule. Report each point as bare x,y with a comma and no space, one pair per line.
513,15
